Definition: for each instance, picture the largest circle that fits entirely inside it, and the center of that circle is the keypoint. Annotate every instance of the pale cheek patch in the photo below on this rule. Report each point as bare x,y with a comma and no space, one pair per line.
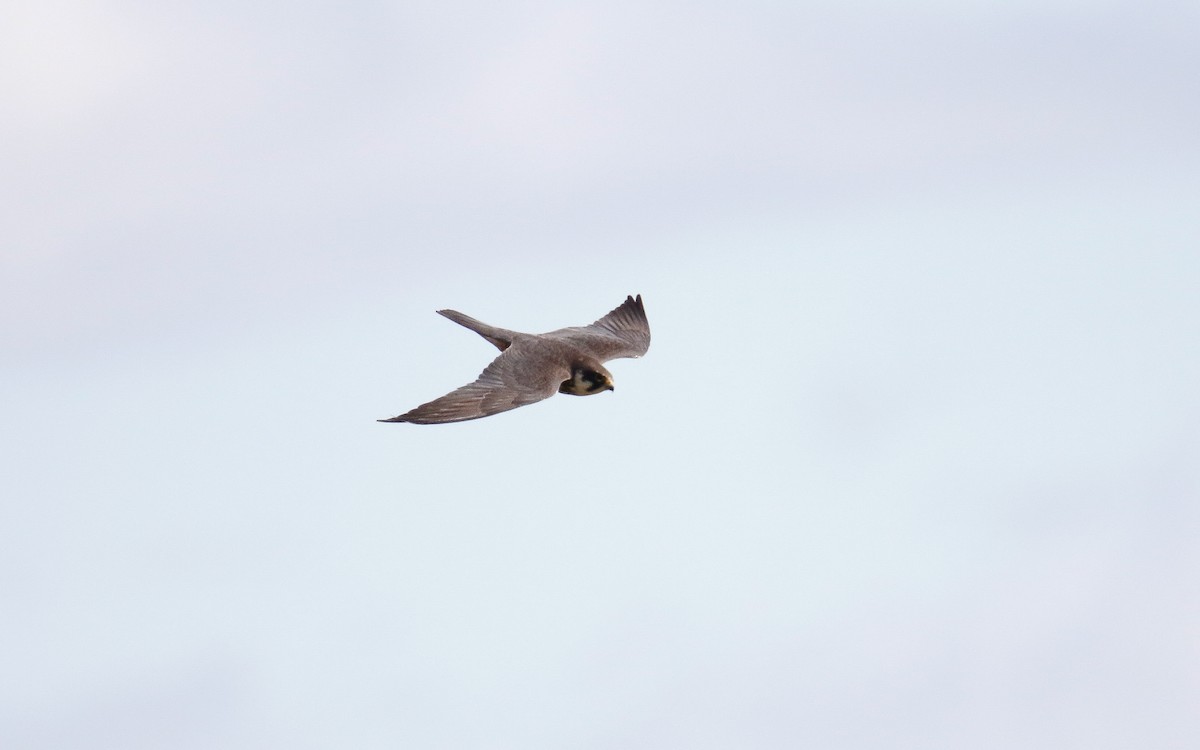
575,385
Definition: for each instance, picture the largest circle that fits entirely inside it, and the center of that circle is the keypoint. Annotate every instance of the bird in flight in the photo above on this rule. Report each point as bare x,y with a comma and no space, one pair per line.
534,366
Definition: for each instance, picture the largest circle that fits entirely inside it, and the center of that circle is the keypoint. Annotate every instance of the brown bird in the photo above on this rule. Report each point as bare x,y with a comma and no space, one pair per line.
533,366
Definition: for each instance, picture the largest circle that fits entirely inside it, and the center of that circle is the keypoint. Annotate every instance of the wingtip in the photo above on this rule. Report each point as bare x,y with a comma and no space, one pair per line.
392,419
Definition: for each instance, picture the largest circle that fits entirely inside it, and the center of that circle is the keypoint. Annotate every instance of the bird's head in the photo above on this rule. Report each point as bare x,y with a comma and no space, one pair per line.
587,380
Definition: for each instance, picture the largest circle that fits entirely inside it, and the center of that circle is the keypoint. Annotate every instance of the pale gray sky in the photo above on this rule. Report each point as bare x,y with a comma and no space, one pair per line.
912,460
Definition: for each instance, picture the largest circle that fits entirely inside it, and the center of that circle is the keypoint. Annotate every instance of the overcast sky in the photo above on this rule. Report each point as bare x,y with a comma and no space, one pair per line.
913,460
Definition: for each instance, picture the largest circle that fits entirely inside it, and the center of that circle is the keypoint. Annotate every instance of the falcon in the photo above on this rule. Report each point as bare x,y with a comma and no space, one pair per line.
534,366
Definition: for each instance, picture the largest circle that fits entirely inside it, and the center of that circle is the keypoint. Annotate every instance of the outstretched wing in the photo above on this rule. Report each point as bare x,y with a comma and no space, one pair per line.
624,332
513,379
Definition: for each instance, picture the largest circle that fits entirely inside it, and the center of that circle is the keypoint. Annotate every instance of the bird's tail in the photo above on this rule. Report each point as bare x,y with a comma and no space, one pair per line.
500,338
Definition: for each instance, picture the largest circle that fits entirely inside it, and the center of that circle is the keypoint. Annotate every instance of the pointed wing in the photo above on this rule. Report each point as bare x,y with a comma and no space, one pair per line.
624,332
513,379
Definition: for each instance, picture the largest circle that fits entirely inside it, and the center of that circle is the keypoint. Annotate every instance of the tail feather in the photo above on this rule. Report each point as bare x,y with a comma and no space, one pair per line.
500,338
